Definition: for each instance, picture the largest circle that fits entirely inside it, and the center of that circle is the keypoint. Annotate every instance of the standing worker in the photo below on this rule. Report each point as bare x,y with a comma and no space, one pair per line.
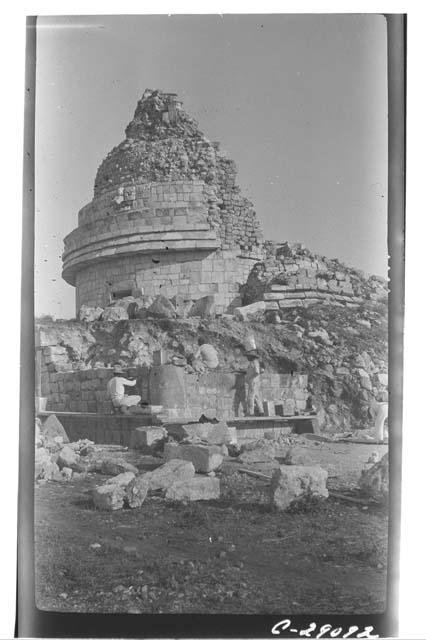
381,415
252,379
116,391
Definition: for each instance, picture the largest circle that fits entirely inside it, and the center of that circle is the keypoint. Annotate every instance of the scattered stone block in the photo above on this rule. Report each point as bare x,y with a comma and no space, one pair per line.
297,456
289,407
205,458
123,479
67,457
89,314
212,433
374,482
159,356
136,491
268,408
244,313
204,307
51,427
114,314
66,473
162,308
196,488
109,497
290,484
146,437
113,467
164,476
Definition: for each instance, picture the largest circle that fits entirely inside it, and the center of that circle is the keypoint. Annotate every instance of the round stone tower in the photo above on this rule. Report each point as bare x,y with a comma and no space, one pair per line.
166,217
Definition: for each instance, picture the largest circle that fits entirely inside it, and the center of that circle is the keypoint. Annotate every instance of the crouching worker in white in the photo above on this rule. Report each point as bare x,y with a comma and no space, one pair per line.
116,391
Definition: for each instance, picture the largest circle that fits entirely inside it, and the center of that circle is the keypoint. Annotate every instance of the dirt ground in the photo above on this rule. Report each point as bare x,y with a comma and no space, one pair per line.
233,555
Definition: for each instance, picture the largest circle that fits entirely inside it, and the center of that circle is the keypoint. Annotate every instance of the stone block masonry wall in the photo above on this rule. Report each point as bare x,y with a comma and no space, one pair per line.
189,274
292,276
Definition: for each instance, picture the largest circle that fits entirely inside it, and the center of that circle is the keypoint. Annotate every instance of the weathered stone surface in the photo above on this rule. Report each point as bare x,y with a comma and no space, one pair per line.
292,483
44,467
123,479
197,488
204,307
374,482
114,314
89,314
162,308
212,433
298,456
66,473
109,497
204,458
67,457
143,437
51,428
136,491
164,476
249,310
113,467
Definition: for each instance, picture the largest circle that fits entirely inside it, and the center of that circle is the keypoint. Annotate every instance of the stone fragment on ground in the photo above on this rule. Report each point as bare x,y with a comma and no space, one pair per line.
290,484
162,308
204,307
196,488
67,458
146,437
211,433
115,466
66,473
114,314
166,474
246,312
44,467
263,450
374,482
51,427
122,479
298,456
89,314
205,458
109,497
136,491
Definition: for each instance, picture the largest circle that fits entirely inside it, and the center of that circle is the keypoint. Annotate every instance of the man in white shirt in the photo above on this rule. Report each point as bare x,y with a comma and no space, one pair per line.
116,391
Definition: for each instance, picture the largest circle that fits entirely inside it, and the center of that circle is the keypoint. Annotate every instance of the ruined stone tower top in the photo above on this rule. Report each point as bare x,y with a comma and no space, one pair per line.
166,187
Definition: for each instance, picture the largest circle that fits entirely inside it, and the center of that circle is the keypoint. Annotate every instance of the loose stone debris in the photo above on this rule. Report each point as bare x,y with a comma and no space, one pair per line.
290,484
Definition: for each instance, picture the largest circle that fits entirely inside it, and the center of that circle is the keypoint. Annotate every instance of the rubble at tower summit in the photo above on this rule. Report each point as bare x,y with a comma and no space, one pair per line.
217,354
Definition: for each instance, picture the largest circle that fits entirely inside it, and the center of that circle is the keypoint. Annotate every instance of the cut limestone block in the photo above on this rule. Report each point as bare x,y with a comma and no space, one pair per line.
145,437
212,433
51,428
123,479
109,497
89,314
164,476
292,483
205,458
374,482
197,488
204,307
268,408
67,457
112,467
114,314
244,313
136,491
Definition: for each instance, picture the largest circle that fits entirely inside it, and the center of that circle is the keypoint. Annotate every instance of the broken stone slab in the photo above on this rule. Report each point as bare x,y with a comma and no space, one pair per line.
123,479
205,458
114,467
196,488
244,313
67,458
145,437
374,482
212,433
298,456
136,491
290,484
162,308
114,314
166,474
204,307
89,314
51,427
108,497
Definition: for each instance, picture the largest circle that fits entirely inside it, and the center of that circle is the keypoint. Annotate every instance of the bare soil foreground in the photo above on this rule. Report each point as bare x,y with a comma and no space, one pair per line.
233,555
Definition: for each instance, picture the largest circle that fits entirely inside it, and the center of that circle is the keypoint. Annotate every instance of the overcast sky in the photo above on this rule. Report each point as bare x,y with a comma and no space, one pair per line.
298,101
